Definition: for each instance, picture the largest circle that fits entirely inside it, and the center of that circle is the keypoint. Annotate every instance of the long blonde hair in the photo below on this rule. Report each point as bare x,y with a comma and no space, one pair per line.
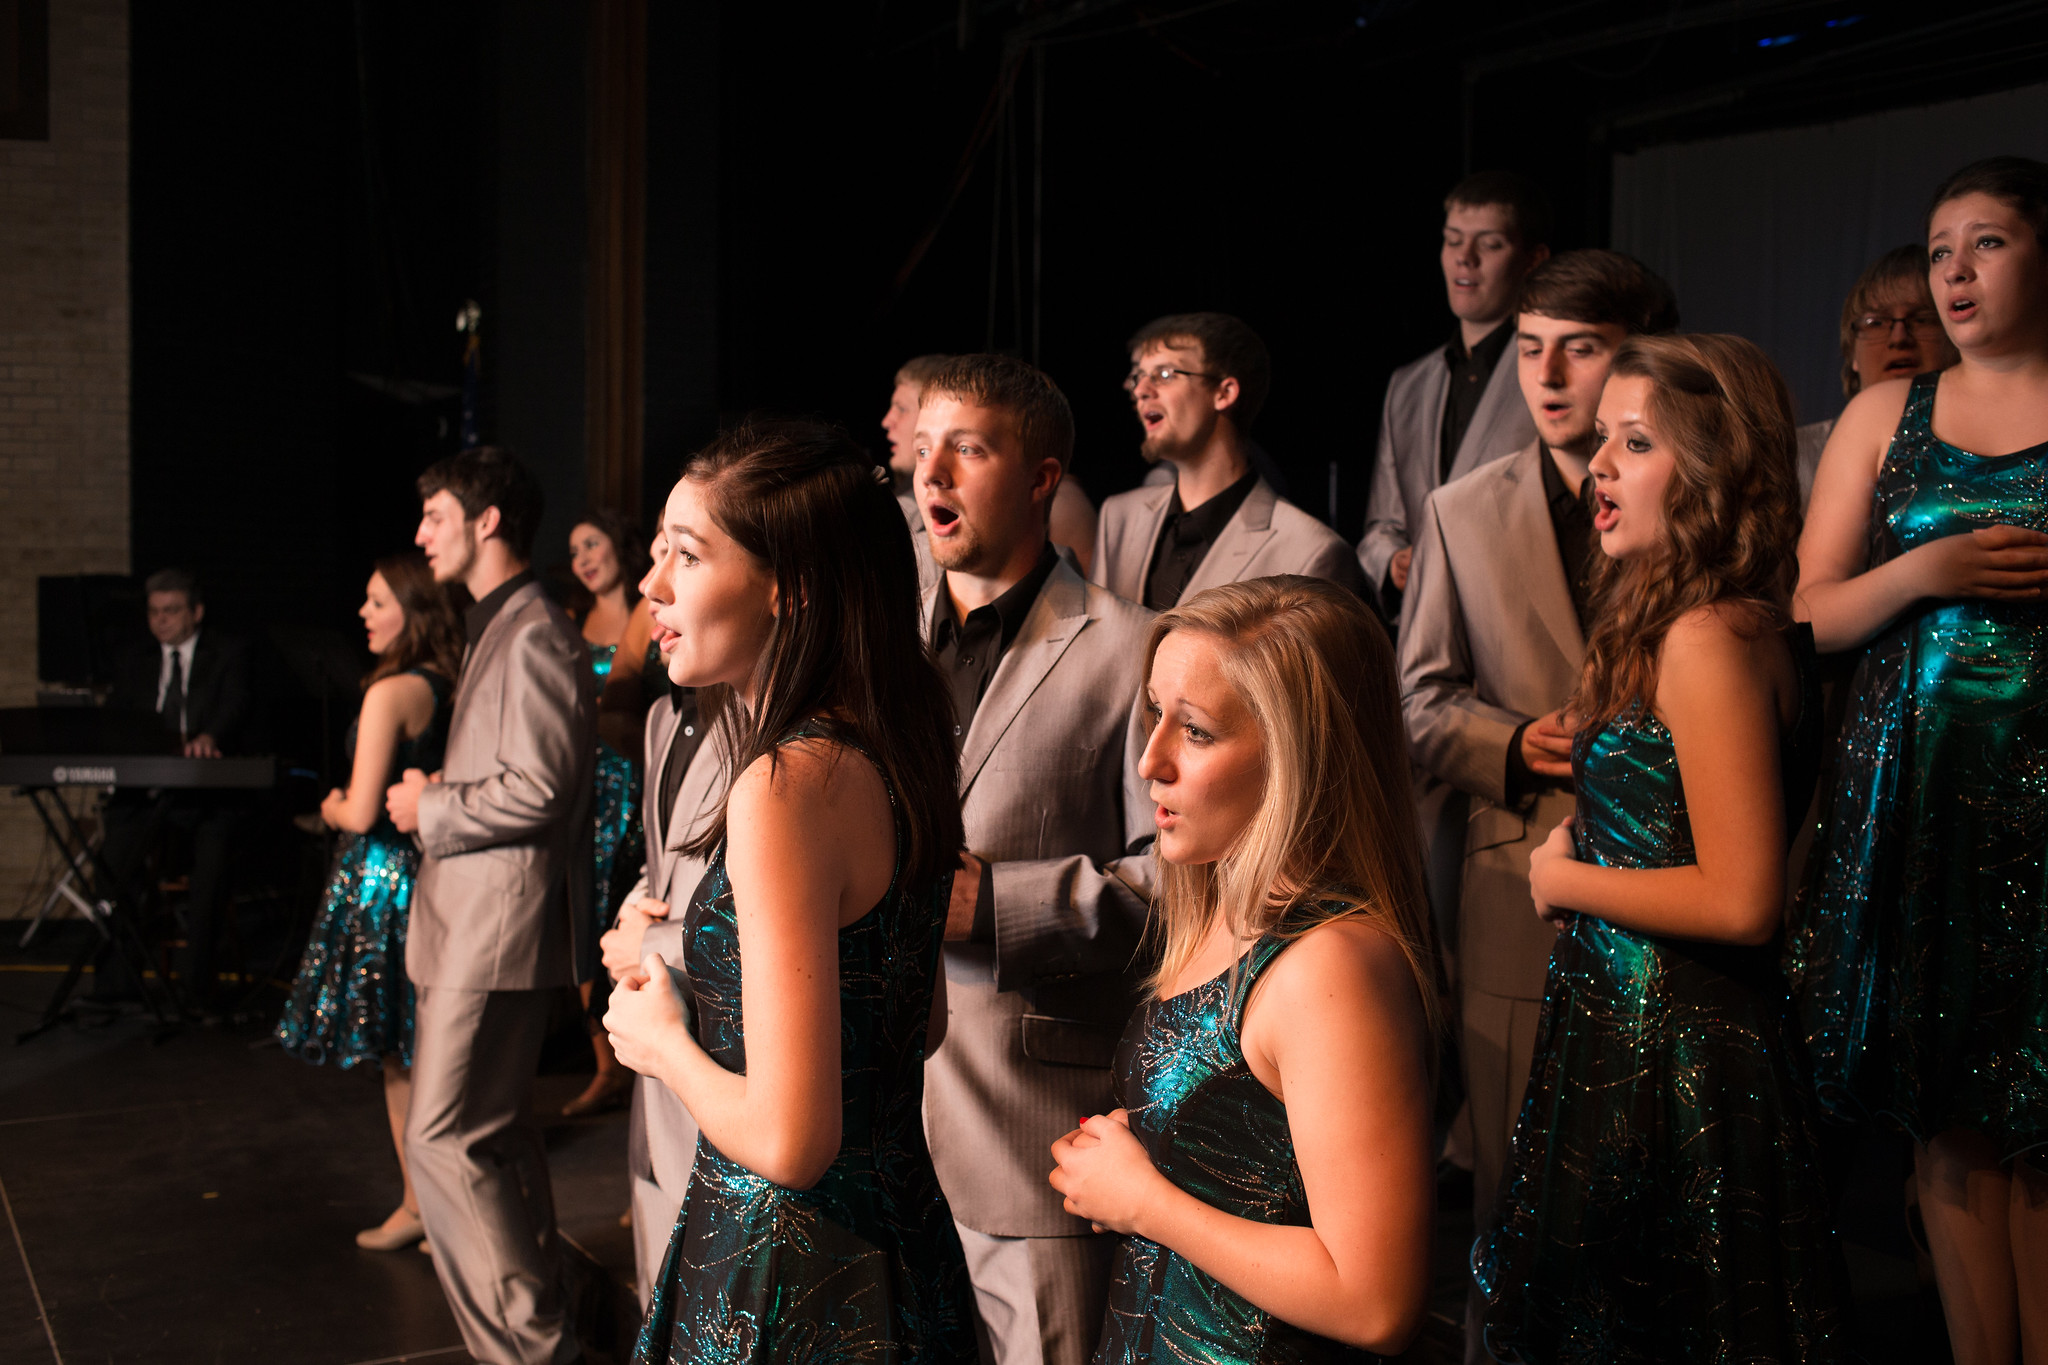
1335,832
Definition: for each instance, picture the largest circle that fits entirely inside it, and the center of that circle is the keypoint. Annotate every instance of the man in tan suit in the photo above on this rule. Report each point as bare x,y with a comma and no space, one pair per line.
685,779
1043,931
1492,638
1197,381
500,904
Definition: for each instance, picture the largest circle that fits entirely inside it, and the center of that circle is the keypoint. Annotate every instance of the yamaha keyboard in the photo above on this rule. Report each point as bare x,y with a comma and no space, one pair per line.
136,770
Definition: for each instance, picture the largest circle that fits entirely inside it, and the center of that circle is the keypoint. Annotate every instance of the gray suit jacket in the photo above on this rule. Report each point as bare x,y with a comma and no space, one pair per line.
1489,640
1405,466
661,1139
920,543
1267,535
1051,798
502,901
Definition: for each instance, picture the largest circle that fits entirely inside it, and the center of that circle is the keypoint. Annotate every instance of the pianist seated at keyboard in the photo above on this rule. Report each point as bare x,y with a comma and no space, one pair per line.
196,681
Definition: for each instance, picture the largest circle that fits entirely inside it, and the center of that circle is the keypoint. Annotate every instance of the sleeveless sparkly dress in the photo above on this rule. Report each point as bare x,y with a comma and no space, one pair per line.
1211,1128
1919,956
352,1002
864,1266
618,844
1663,1201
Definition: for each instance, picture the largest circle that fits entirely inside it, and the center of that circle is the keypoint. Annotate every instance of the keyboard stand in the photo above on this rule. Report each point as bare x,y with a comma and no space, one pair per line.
106,908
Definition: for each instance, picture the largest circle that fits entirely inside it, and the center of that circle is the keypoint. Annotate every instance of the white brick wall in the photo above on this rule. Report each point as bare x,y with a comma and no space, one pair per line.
63,358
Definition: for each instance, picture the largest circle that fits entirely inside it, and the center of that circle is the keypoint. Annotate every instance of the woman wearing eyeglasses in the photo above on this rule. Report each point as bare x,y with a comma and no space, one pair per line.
1918,955
1890,330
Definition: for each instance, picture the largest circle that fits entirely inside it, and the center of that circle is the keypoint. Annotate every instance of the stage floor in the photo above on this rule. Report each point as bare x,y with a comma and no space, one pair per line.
196,1200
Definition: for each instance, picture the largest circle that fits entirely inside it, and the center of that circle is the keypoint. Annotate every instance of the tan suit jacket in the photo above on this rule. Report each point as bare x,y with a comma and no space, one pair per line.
1410,451
502,902
1267,535
920,543
1488,641
1051,798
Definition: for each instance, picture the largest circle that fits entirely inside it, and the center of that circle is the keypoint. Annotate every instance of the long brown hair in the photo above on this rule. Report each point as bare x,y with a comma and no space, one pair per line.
432,638
1336,827
1731,512
804,500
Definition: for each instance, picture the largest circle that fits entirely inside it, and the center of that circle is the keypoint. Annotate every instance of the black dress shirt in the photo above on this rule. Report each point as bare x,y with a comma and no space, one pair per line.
1571,524
968,651
1470,370
1186,539
478,618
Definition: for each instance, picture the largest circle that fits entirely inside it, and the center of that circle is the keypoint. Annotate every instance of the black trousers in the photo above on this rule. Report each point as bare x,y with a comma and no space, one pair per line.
138,823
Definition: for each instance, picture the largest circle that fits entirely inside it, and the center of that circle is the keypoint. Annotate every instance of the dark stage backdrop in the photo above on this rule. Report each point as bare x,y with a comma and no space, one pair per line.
1764,234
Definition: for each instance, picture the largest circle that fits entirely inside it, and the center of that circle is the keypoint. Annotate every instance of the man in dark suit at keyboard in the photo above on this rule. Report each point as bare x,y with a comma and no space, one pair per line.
196,681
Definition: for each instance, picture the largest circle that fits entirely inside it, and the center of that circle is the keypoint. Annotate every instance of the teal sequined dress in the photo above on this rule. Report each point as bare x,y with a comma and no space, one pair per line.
618,845
1211,1128
864,1266
352,1002
1663,1201
1919,957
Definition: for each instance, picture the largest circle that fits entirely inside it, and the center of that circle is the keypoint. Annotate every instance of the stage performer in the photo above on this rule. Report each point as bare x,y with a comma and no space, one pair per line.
1920,957
1049,907
351,1002
609,560
1664,1201
1197,382
1492,639
813,1224
500,912
1269,1161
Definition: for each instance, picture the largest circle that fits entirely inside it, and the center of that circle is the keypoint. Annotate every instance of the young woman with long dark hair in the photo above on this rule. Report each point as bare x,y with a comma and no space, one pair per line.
1920,961
351,1002
813,1223
1270,1160
1663,1199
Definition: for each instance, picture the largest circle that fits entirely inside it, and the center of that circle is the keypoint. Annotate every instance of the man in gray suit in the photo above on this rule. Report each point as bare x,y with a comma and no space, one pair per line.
685,779
500,904
1491,642
1043,930
1197,382
1456,407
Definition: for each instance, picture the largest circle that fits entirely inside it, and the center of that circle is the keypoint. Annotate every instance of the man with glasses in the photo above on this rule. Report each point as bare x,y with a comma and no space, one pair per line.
1890,330
1457,407
1197,382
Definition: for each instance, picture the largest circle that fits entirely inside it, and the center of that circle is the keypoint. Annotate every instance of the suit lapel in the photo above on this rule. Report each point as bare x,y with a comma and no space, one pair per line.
1152,522
477,657
1055,619
1525,520
1243,536
1504,386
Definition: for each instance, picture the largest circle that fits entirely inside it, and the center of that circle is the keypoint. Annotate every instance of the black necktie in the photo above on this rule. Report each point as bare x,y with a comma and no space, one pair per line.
173,709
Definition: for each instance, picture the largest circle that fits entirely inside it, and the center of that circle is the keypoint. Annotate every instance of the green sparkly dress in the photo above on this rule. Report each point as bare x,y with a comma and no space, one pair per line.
1919,951
1663,1201
864,1267
1214,1130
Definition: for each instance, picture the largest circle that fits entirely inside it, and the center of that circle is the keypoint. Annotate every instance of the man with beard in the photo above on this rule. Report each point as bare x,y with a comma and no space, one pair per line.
1197,382
1049,905
503,897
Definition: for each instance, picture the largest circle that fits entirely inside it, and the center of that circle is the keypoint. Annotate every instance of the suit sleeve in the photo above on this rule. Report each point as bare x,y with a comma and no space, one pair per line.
1335,563
545,733
1452,733
1070,917
229,718
1386,517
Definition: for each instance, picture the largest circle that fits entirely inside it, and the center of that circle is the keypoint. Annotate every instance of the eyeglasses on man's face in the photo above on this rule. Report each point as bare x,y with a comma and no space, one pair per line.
1921,322
1159,375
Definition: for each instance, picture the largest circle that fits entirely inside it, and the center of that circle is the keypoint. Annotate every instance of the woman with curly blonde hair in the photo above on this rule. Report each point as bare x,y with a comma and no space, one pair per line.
1663,1200
1270,1163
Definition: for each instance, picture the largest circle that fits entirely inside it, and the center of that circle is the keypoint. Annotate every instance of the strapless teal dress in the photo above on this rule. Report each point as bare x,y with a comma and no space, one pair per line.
351,1001
1919,954
864,1266
1663,1201
1216,1132
618,845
